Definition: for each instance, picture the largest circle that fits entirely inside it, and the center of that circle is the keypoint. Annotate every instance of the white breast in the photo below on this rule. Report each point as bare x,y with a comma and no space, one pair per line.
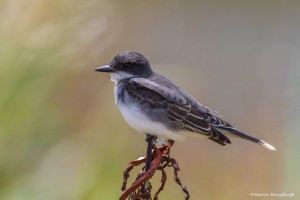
141,123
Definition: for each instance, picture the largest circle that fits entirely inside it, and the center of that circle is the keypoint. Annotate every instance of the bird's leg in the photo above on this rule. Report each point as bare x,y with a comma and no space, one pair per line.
149,139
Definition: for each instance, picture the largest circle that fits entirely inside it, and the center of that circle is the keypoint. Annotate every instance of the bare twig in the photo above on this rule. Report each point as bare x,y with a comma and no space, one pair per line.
141,187
163,182
128,169
175,166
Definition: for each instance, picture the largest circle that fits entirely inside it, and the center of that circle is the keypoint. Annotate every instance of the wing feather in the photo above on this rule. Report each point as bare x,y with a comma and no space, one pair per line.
177,108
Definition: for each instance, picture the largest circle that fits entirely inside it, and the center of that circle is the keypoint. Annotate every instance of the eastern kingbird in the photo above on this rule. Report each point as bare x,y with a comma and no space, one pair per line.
153,105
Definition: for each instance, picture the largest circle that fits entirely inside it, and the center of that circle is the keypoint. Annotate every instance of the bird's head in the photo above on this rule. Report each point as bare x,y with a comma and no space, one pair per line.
127,64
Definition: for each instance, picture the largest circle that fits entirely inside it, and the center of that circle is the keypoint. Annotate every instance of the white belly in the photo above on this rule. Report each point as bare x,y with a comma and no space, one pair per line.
143,124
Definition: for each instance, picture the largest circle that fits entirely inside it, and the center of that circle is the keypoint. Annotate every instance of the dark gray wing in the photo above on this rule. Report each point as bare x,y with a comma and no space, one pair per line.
169,94
217,122
176,106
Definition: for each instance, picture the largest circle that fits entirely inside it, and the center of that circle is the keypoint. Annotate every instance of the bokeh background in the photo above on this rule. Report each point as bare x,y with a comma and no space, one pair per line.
62,137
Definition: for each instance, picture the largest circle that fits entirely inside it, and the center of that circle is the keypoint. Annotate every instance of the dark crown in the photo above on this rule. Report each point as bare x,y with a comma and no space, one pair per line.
132,62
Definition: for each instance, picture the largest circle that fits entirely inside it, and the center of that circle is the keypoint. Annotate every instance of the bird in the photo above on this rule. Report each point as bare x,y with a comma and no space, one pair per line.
153,105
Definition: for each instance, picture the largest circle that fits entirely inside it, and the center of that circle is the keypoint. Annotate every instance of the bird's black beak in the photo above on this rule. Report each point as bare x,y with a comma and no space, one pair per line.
105,68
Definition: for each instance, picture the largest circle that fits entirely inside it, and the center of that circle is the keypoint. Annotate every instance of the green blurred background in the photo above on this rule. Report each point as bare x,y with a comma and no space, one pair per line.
62,137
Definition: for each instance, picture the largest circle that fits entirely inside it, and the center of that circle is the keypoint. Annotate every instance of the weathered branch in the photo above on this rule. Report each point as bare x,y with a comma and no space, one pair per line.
141,187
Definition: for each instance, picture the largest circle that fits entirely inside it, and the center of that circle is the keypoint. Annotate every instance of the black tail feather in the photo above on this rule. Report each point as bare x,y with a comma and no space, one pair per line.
243,135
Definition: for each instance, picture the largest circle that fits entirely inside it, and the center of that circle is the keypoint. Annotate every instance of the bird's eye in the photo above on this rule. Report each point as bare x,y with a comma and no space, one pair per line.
126,66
